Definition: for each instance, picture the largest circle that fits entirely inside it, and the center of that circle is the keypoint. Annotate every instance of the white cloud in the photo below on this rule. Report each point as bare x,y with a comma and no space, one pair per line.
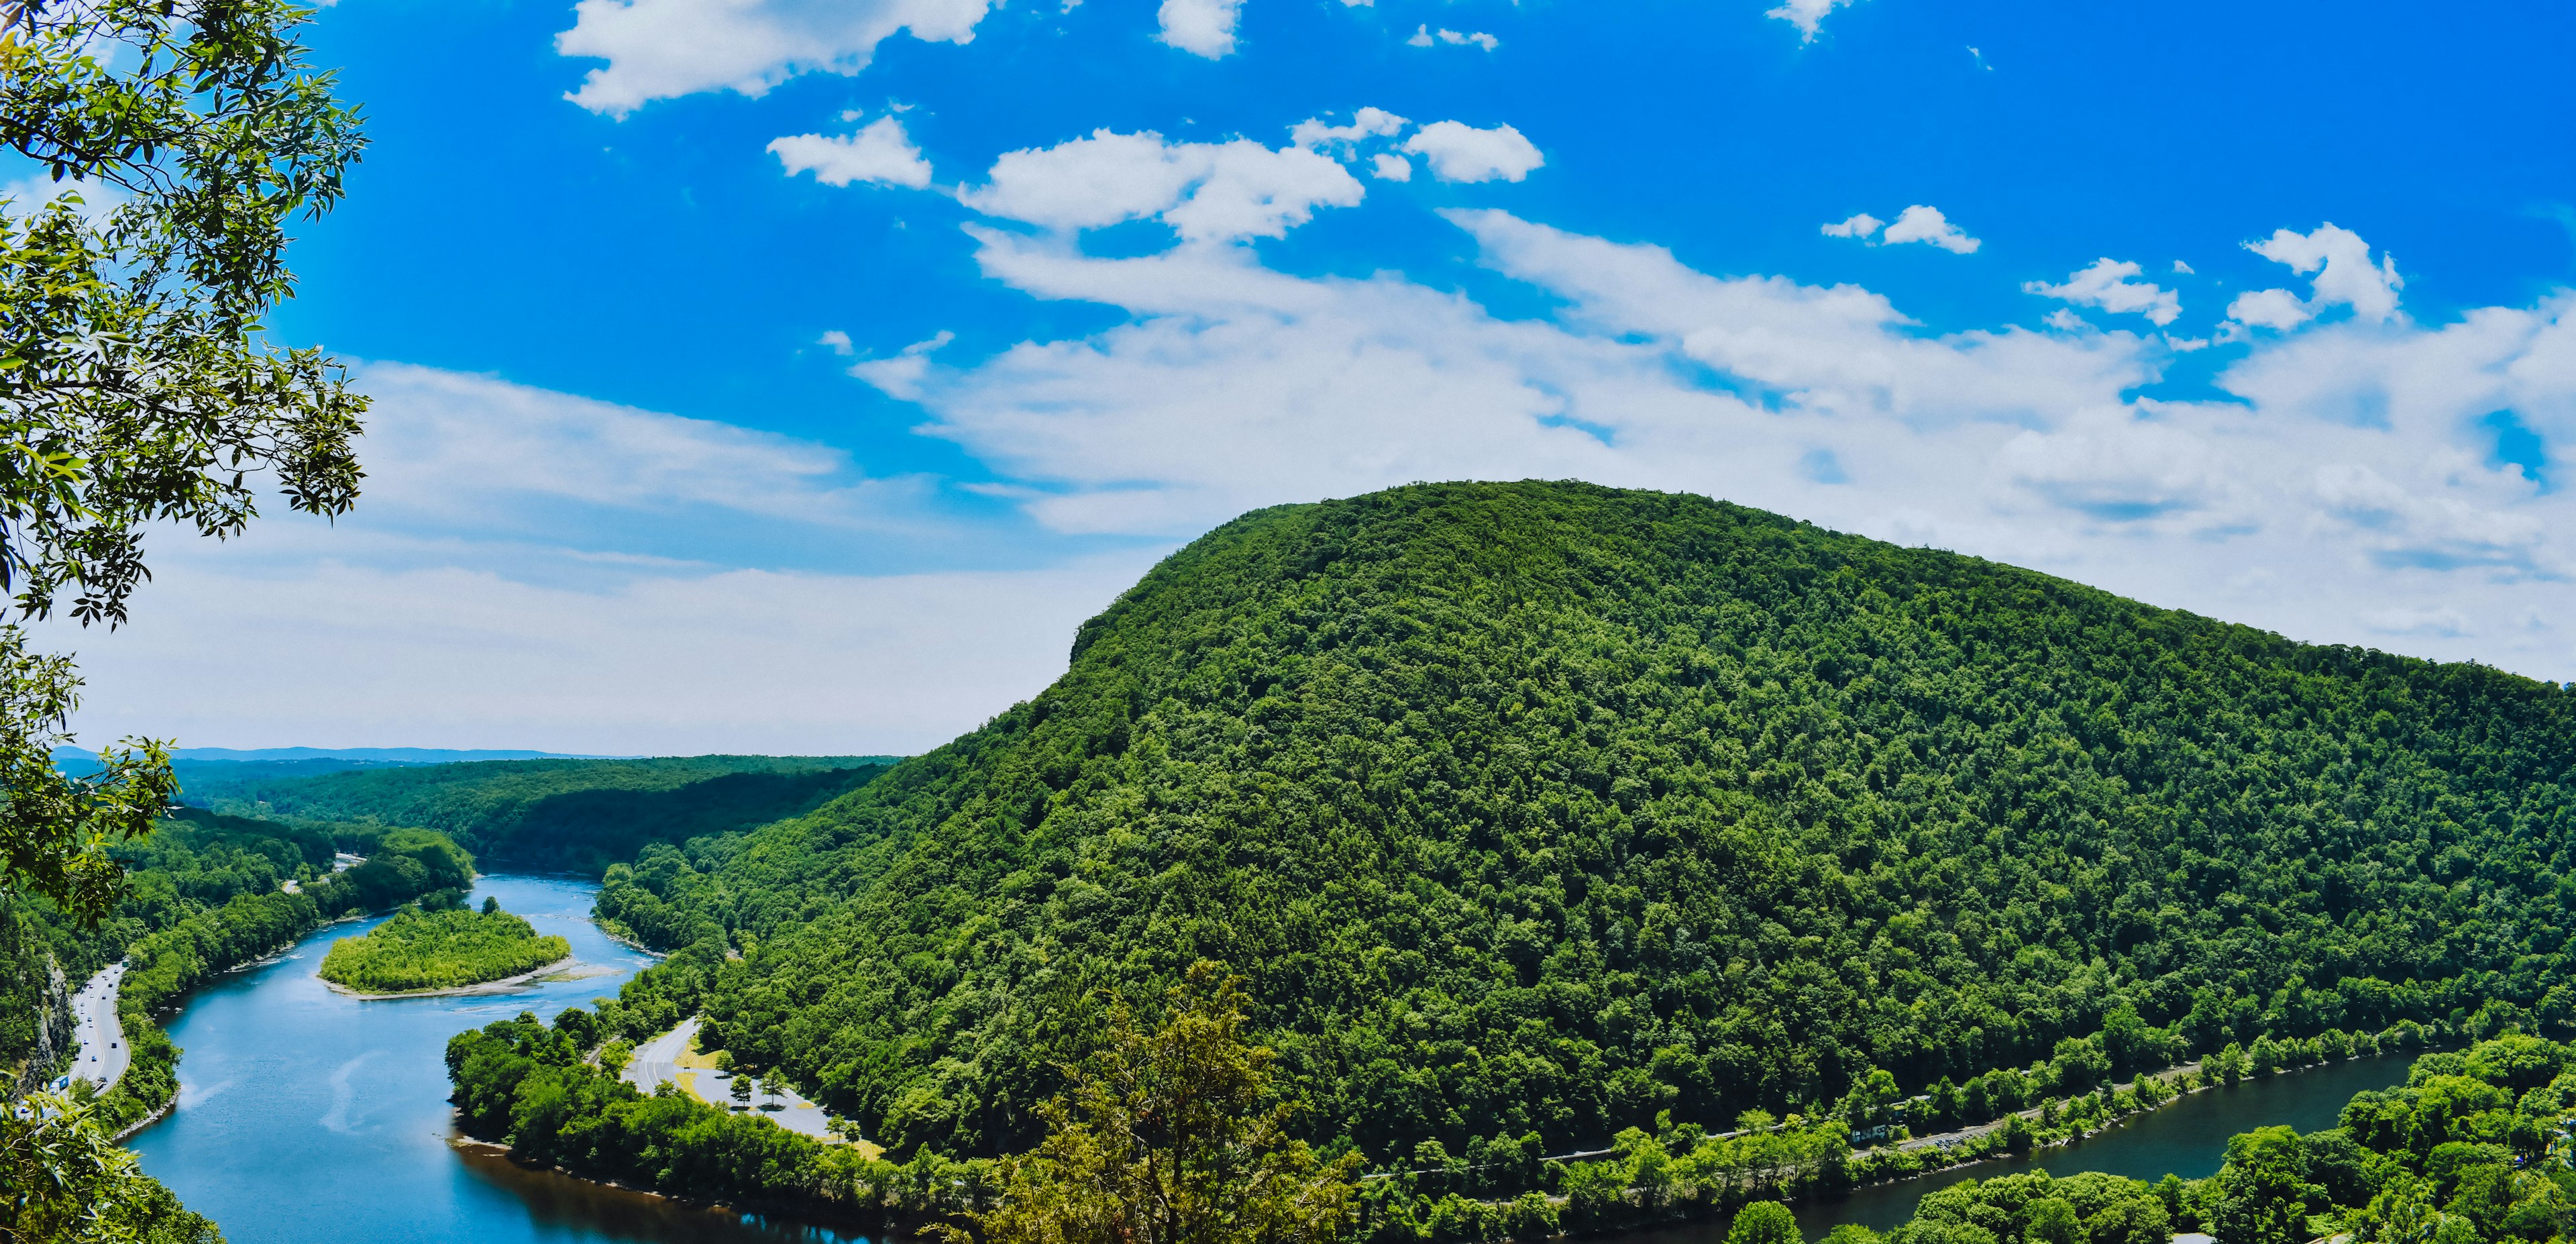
2343,276
1920,223
2106,284
1461,152
98,200
1388,166
2268,308
1423,37
1207,191
1858,225
451,447
901,375
882,153
2343,480
326,639
1315,134
1808,16
663,49
1200,27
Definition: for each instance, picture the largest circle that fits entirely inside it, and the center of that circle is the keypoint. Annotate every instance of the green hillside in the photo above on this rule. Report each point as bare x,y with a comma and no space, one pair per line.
564,814
1545,808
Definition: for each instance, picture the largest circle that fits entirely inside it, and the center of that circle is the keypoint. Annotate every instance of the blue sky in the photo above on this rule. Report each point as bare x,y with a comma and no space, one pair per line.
791,376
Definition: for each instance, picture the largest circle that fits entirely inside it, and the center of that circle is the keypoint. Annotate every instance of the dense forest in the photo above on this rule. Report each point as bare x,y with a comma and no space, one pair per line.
1549,810
573,815
204,893
440,949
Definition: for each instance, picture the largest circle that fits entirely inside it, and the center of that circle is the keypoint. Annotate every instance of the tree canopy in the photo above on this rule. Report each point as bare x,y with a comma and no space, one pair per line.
1547,809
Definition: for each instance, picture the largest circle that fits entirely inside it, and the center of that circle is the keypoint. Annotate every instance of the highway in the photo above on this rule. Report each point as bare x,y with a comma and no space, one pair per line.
100,1056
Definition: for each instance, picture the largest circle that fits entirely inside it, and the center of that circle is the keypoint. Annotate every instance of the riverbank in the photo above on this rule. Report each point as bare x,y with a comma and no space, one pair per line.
460,991
291,1085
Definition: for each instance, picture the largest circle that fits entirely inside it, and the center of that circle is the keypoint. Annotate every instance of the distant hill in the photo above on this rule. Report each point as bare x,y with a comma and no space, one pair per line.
1548,807
225,764
574,815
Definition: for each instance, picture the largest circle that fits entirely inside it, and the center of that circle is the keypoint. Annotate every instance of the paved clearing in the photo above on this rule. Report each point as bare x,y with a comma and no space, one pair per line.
669,1057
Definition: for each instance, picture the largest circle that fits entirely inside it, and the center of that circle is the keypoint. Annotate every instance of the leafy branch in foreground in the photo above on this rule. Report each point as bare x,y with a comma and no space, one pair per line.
62,1181
55,830
1170,1138
137,384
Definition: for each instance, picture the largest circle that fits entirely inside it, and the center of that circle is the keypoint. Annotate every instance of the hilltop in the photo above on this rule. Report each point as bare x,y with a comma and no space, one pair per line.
1545,808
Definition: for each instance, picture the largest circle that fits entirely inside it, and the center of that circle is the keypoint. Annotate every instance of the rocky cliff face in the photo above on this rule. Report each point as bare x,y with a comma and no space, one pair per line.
52,1036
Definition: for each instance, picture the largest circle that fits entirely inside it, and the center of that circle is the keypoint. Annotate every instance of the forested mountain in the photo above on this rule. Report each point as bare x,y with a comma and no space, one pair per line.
1544,808
569,814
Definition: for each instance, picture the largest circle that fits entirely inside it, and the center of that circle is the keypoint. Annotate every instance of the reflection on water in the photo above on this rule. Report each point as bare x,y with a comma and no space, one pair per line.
309,1117
564,1208
2187,1138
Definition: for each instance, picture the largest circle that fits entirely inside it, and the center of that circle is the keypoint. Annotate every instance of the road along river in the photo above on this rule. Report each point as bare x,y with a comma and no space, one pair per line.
309,1117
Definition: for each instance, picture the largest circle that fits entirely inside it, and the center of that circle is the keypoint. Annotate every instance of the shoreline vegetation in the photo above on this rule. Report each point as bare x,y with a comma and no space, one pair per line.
426,953
204,896
457,991
539,1092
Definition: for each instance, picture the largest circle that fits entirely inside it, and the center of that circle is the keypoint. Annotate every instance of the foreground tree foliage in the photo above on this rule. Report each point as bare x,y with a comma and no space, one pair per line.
137,385
1171,1137
62,1181
1547,810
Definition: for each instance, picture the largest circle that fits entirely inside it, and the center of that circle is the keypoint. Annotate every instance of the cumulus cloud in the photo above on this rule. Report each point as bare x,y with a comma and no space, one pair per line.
662,49
455,447
2342,475
1920,223
2340,260
1317,134
1858,225
1200,27
1206,191
2277,309
351,638
1808,16
1424,36
2106,284
1388,166
2343,276
1460,152
535,568
882,154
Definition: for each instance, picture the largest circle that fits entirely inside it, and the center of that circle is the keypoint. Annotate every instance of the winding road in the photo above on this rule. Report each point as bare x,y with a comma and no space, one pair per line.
98,1038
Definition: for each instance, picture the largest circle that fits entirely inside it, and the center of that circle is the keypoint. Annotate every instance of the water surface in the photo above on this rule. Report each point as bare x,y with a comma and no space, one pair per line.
306,1117
2187,1138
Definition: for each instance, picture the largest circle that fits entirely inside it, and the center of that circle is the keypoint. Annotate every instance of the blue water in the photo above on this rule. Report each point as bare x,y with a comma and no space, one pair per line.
2187,1138
306,1117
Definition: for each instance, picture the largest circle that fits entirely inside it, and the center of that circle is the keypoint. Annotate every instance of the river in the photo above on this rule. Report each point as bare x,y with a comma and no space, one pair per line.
2187,1138
307,1117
